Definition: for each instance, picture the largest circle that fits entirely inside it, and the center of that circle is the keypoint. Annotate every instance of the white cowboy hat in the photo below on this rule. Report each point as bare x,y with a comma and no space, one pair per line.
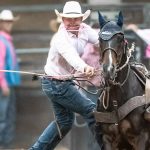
72,9
7,15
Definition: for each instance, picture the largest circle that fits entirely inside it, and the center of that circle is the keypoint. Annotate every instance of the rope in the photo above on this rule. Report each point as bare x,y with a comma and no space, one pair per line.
40,74
59,77
128,57
78,124
77,77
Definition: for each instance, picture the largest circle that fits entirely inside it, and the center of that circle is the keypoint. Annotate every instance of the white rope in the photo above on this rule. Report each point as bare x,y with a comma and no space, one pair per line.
22,72
44,75
79,125
128,56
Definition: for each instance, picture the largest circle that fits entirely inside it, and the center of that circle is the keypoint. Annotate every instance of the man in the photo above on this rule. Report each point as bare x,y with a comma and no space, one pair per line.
8,61
63,58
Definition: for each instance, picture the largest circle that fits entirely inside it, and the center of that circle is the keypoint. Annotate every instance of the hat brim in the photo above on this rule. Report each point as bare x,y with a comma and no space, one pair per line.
71,15
12,19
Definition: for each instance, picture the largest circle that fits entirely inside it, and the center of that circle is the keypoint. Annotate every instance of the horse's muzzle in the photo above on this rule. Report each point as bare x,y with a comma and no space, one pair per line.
109,71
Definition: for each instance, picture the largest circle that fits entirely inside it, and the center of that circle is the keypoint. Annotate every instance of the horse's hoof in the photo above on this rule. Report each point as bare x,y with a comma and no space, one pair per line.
147,114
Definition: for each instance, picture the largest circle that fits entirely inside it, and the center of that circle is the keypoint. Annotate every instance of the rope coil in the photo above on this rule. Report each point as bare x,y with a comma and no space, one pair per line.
130,50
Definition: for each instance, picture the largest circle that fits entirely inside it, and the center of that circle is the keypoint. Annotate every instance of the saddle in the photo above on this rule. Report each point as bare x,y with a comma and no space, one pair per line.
140,71
144,77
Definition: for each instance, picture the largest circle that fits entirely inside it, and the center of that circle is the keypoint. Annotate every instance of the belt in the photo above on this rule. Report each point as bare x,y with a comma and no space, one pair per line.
56,78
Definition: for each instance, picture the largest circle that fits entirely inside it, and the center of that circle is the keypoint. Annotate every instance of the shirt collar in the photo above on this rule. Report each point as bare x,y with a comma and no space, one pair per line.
6,35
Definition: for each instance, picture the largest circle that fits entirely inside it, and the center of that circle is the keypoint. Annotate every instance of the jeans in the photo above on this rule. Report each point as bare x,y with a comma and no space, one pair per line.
7,117
66,99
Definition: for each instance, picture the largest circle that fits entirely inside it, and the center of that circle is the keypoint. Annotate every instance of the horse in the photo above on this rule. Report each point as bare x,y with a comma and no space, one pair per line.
121,114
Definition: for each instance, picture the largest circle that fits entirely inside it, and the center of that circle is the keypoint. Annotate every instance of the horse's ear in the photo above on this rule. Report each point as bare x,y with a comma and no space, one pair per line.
120,19
102,21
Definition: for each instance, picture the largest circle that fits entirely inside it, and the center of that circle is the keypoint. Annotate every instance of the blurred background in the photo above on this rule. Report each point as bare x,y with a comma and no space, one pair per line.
32,35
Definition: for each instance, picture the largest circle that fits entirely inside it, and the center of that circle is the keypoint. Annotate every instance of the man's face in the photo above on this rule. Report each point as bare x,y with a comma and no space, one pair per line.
72,24
7,26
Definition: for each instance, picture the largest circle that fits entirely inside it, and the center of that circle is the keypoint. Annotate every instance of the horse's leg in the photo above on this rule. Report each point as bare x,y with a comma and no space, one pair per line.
111,143
136,142
104,141
141,141
99,135
107,142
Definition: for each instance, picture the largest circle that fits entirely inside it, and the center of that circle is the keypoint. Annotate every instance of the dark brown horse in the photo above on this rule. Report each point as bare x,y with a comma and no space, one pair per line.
122,104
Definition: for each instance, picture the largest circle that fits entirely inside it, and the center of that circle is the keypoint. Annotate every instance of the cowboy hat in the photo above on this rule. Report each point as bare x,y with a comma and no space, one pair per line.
7,15
72,9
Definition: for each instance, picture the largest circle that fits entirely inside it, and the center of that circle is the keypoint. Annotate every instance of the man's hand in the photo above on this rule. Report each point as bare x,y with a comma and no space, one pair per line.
89,71
6,91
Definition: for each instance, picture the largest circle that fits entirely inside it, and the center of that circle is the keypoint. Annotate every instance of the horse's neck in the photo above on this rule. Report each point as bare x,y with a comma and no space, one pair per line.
123,75
131,87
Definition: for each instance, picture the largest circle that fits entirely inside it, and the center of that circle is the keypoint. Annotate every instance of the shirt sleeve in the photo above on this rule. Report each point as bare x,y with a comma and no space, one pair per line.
70,54
92,36
3,82
144,34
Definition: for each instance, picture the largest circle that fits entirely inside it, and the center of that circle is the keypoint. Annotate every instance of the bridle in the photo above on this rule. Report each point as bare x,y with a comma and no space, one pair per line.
126,50
128,56
111,47
106,87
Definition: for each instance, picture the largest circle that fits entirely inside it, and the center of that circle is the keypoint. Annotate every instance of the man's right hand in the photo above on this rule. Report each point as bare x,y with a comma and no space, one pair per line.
89,71
5,91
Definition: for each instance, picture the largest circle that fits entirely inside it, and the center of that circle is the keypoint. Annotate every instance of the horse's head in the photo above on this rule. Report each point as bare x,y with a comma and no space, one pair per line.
112,45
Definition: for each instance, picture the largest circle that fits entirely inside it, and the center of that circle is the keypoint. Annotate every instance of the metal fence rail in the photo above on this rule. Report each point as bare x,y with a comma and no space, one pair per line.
31,50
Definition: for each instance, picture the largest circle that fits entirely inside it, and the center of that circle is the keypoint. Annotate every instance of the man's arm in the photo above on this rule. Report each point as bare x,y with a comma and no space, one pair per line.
3,82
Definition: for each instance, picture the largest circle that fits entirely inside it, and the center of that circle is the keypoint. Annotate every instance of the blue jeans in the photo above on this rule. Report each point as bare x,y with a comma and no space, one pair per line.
7,117
66,99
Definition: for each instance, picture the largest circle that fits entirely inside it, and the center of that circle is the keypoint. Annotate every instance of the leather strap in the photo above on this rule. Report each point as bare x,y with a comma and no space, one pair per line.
123,111
147,90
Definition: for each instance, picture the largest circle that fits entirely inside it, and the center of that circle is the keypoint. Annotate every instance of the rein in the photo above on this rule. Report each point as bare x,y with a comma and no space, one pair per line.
121,84
105,94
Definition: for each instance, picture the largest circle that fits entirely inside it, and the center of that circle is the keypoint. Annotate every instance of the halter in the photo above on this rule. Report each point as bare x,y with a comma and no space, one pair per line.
109,30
